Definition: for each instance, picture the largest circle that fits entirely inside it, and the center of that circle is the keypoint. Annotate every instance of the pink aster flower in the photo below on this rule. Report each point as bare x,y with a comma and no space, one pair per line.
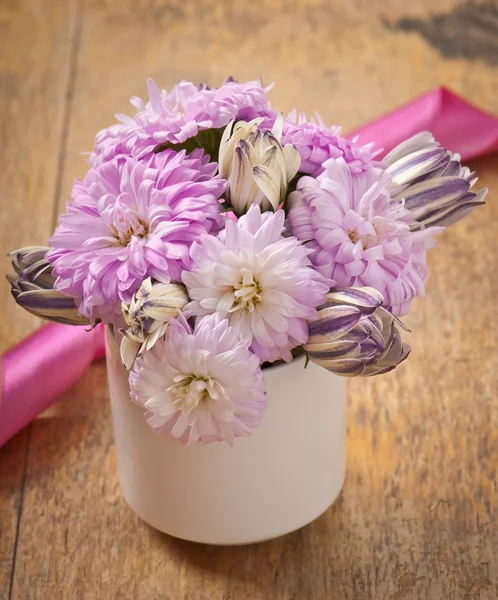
262,282
204,386
131,220
358,235
179,115
316,143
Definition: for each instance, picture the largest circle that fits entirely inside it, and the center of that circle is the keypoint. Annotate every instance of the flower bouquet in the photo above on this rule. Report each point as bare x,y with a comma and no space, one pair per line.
244,263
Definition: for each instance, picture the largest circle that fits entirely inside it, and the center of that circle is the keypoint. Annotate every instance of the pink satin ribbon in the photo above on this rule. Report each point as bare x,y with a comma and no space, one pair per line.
456,125
38,370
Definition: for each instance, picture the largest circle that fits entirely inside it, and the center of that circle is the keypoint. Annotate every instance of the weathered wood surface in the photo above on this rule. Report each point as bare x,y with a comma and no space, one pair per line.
35,50
418,516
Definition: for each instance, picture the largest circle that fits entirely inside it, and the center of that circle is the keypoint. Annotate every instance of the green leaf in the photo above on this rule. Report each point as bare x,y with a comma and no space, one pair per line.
207,139
292,188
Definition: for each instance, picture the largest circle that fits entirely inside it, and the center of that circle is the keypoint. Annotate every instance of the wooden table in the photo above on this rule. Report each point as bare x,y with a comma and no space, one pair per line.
418,516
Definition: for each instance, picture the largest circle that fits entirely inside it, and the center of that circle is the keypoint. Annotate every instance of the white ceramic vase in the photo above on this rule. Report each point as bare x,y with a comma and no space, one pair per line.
282,477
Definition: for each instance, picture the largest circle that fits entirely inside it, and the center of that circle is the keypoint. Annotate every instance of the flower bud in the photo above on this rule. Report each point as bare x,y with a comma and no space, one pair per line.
258,169
430,180
33,288
148,315
355,336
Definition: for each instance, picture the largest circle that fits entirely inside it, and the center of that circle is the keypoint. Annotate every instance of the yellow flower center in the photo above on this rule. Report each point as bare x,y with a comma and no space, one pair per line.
138,229
247,292
192,390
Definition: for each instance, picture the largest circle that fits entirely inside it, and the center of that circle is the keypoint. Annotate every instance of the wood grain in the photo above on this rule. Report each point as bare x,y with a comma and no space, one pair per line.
417,519
35,45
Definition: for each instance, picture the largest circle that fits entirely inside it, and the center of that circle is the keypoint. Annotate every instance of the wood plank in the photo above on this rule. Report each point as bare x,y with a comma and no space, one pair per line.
12,471
35,45
417,518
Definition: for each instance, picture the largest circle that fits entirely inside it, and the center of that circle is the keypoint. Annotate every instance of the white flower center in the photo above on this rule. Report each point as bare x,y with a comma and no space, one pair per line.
192,390
247,292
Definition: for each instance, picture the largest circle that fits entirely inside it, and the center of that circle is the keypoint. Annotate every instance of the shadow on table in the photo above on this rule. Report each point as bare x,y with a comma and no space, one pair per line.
288,563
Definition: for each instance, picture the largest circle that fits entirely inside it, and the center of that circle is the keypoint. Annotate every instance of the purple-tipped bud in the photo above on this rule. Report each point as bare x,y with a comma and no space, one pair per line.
148,315
431,180
355,336
32,286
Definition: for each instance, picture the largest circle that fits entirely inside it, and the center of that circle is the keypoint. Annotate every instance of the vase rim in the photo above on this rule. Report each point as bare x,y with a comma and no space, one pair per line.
283,365
272,367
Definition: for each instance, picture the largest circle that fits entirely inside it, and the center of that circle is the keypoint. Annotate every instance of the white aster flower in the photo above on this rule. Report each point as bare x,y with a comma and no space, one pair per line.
201,386
261,281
